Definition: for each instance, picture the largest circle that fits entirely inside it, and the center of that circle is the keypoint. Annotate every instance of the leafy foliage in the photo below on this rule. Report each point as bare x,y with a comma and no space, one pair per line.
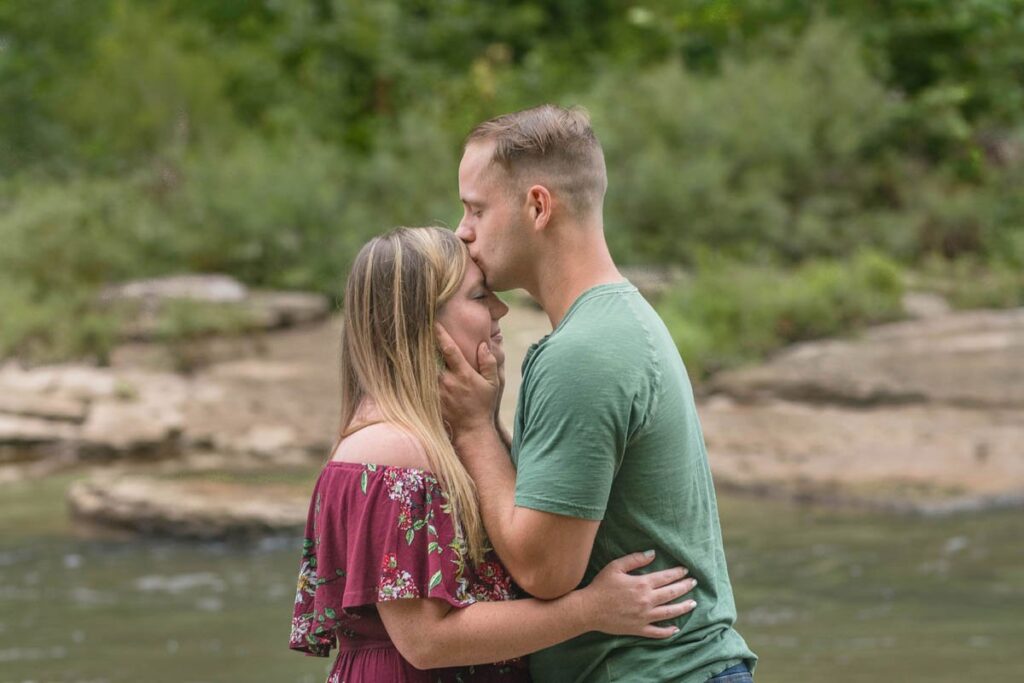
733,312
269,140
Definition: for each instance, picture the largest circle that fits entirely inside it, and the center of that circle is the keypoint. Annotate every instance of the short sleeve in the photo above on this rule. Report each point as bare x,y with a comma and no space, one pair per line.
577,412
373,535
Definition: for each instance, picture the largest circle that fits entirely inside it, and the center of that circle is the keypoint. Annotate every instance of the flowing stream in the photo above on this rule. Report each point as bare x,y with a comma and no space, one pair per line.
824,595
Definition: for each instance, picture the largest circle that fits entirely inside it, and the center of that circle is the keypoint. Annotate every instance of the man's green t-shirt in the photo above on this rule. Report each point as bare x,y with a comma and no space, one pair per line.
606,429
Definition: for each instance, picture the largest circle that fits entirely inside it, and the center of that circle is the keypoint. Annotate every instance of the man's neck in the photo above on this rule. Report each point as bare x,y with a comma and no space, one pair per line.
569,269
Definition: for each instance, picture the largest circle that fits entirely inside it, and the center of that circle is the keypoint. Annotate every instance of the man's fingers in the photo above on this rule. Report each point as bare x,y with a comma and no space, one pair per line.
453,357
488,363
628,563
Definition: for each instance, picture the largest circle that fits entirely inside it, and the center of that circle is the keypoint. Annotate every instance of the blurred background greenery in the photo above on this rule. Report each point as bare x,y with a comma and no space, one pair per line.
804,161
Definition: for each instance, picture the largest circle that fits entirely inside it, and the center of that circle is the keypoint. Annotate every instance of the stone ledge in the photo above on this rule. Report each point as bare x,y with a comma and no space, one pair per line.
196,509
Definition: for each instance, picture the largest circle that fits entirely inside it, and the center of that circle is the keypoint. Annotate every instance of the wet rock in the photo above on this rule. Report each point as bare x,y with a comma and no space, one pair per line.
30,438
188,509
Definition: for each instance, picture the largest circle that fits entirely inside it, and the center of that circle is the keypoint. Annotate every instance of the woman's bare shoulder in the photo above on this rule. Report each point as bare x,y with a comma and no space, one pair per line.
383,444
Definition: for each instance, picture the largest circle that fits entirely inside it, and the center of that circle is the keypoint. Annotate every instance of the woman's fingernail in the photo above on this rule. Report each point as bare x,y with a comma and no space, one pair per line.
648,553
691,603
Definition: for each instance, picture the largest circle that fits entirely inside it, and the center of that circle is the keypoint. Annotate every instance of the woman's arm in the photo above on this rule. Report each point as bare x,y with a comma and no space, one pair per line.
430,634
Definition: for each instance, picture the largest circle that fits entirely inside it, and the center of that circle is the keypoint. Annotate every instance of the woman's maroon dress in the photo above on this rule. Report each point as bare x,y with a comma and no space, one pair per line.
377,533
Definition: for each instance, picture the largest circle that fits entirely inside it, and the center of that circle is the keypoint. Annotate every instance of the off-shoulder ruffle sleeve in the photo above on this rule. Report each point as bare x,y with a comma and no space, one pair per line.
374,533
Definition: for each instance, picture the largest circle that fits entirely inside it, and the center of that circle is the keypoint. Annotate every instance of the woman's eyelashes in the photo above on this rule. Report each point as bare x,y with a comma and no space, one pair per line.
482,291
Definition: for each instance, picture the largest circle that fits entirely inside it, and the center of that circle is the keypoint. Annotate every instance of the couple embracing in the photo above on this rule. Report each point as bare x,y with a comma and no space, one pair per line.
585,546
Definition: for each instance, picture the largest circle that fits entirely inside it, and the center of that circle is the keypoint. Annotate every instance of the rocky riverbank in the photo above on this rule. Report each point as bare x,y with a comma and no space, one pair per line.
922,416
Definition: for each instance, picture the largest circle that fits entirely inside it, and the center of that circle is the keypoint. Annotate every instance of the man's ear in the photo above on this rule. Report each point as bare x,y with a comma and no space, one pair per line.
540,204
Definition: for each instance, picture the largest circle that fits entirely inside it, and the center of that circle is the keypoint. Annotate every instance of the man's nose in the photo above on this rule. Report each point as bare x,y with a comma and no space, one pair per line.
500,308
464,233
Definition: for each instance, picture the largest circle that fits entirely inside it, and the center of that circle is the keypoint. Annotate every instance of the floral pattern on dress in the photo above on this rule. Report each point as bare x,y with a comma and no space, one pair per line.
311,627
493,583
429,557
394,583
404,486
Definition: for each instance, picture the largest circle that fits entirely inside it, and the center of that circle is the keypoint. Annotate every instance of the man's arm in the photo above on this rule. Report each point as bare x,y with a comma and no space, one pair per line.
545,553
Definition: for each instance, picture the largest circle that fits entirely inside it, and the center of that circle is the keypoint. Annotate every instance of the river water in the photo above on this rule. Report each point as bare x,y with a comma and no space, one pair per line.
823,595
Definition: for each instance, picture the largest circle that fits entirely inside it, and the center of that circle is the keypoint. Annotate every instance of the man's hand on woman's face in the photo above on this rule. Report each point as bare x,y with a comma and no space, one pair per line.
469,398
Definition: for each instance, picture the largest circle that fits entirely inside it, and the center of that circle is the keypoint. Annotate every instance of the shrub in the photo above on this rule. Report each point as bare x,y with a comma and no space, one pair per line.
62,242
771,155
969,282
53,326
731,312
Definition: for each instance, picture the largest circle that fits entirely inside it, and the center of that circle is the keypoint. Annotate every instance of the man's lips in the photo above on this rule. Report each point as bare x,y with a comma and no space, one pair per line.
497,336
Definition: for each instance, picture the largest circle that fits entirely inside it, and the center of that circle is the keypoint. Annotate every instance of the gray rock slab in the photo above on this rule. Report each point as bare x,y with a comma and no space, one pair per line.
212,288
185,509
914,457
257,309
288,309
66,380
46,407
131,429
32,438
971,359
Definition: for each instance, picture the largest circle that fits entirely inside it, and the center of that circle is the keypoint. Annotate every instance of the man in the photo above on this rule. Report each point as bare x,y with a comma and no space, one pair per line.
607,455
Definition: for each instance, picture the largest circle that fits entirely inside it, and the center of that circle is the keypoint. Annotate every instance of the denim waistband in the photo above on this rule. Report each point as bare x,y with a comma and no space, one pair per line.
740,668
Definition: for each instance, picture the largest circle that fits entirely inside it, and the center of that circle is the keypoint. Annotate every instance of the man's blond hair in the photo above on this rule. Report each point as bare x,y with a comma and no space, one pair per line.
549,145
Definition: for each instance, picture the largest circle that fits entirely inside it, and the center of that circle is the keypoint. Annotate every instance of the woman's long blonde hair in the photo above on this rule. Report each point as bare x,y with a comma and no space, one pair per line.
390,354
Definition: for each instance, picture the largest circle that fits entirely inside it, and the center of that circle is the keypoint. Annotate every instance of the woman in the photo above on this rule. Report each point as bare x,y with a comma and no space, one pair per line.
396,571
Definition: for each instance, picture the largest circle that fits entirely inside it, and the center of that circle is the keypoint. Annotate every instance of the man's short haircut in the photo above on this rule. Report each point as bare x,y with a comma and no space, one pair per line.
552,146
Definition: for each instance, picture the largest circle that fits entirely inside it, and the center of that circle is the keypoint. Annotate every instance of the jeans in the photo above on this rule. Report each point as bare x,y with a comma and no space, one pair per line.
734,674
